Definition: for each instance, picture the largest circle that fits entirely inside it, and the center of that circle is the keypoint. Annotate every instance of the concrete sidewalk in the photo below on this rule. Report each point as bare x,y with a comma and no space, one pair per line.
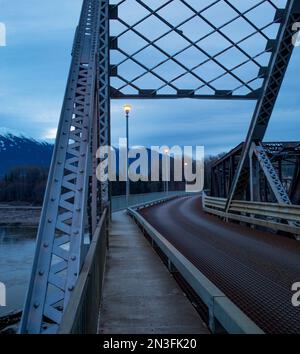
140,295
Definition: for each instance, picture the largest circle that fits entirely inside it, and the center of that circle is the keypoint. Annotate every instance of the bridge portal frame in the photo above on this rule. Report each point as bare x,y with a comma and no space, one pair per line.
73,190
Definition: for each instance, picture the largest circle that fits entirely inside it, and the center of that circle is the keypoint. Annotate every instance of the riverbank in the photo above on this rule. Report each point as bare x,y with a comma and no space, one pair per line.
19,215
9,324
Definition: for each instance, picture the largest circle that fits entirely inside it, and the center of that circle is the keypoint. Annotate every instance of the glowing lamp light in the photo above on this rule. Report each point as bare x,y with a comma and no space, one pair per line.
127,108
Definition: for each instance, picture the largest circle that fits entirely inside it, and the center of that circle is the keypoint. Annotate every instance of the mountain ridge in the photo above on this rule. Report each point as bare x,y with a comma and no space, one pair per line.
20,150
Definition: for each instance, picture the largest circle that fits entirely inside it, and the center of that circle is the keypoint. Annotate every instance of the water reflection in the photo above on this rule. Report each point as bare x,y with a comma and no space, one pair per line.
16,255
17,246
14,235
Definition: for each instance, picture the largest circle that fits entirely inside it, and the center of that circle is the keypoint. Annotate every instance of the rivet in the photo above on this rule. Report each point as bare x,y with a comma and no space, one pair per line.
71,287
46,244
41,272
36,305
73,258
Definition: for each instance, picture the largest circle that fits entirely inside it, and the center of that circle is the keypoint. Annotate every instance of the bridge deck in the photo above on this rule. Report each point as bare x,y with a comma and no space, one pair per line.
254,269
140,296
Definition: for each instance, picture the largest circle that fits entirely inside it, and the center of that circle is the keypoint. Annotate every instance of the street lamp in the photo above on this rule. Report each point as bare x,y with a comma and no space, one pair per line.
127,109
166,151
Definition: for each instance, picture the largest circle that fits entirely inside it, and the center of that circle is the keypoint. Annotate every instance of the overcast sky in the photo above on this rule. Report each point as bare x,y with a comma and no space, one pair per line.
33,72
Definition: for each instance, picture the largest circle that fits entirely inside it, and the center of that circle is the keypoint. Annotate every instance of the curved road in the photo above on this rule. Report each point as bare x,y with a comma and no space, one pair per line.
254,269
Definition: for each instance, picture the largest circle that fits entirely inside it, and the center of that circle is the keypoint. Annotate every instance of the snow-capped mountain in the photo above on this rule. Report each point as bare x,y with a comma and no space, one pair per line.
19,150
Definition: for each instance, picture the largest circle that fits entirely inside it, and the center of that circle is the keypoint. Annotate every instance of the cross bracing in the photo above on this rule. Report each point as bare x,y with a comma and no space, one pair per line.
216,49
186,48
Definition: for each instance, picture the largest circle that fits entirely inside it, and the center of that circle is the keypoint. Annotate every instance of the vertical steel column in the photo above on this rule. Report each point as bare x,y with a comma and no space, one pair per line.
279,62
213,188
94,207
254,177
295,185
104,92
127,160
58,256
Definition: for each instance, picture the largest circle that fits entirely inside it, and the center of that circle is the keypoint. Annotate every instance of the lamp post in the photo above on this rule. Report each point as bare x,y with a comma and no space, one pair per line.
127,109
166,151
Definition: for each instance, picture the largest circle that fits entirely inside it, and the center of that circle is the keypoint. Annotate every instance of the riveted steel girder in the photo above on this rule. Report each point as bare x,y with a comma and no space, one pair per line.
60,243
265,105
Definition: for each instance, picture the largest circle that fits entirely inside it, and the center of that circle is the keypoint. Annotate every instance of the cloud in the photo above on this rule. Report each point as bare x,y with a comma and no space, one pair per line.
34,67
50,134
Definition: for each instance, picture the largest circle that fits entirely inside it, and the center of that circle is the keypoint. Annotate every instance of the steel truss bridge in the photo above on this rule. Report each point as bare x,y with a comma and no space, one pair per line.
160,50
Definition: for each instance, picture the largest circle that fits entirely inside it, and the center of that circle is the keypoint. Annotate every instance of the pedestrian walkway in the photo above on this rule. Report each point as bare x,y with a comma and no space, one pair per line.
140,295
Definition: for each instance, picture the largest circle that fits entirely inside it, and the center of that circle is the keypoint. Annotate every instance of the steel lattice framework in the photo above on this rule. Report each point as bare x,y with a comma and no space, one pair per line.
212,49
72,186
265,105
273,163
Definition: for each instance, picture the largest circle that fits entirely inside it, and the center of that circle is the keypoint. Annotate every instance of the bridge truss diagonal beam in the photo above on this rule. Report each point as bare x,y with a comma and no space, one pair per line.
73,191
195,27
83,124
266,103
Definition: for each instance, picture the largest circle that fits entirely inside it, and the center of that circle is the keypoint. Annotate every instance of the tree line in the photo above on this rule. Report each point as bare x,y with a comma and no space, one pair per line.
24,184
27,184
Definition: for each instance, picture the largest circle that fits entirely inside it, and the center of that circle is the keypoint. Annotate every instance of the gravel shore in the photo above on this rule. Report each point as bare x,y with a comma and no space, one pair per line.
25,216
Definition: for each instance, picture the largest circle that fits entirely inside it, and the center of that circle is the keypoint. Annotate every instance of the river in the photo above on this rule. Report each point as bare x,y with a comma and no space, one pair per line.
16,256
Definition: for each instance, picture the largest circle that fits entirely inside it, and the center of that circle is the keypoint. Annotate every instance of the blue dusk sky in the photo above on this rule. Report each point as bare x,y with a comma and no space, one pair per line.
34,67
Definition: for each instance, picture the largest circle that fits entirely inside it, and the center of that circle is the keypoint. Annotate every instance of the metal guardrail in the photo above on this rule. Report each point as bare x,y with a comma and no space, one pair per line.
269,215
220,307
120,202
82,313
153,202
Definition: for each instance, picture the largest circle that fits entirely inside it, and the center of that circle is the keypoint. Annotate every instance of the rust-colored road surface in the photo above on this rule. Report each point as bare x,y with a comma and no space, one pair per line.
254,269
